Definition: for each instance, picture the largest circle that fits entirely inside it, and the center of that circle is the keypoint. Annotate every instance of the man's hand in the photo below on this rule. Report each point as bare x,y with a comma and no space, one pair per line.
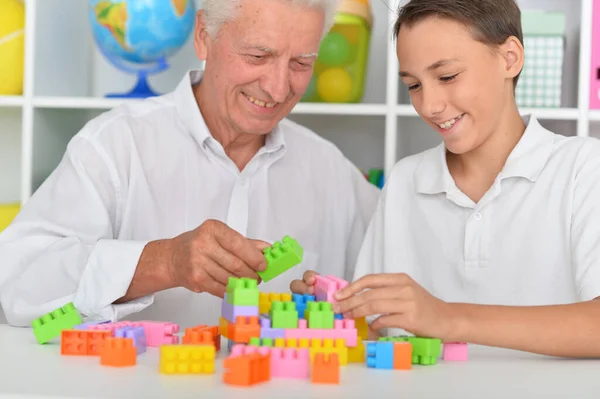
306,285
203,259
401,302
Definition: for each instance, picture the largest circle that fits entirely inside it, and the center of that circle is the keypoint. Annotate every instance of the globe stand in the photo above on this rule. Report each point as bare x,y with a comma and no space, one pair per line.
141,89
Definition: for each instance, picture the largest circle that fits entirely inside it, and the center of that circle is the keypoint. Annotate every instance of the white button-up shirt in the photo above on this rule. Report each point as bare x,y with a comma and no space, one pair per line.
533,239
152,170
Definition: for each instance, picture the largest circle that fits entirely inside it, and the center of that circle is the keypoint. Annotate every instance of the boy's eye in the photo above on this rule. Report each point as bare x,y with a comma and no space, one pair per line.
413,87
448,78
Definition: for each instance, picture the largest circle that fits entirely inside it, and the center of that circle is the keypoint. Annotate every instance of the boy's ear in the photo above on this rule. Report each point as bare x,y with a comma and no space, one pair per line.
201,37
514,56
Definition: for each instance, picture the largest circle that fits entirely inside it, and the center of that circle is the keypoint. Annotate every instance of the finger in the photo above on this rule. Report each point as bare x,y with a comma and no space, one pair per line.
215,288
371,281
259,244
309,277
391,320
240,247
231,264
366,297
300,287
200,281
216,272
383,306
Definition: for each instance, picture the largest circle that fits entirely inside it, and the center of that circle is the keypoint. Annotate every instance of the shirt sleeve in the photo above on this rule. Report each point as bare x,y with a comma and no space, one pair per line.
585,224
62,247
366,195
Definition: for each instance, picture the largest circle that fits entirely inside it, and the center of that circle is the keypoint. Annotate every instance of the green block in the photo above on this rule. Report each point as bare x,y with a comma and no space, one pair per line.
283,315
50,325
255,341
402,338
425,350
280,257
242,291
319,315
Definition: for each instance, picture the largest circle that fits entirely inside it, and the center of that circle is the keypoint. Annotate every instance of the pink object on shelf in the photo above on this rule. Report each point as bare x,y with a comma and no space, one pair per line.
456,351
157,332
341,329
290,362
595,67
326,287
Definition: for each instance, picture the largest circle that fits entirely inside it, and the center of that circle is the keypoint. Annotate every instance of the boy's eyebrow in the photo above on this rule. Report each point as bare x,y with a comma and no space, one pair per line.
432,67
271,51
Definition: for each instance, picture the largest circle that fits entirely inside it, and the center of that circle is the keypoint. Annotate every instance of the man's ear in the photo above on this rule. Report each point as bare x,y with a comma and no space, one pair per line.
513,53
201,37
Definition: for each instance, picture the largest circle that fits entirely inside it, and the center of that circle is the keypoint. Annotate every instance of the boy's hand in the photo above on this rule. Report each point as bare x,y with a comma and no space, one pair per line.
401,302
306,285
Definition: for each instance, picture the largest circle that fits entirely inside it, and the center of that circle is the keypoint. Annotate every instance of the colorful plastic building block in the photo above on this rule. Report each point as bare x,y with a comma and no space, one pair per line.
380,355
284,315
87,324
362,327
82,343
456,351
425,351
301,301
265,299
319,315
187,359
338,316
241,349
137,334
280,257
330,346
267,332
50,325
223,324
230,312
327,286
292,343
247,370
244,329
196,335
326,369
118,352
157,333
230,344
341,329
356,354
242,291
290,363
402,355
261,342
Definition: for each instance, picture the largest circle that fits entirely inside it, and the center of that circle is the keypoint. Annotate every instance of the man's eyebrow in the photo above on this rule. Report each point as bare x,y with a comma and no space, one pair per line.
271,51
432,67
308,55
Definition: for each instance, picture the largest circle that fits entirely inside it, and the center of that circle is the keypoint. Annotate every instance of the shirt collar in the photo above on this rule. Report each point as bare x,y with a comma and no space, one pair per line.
526,160
191,116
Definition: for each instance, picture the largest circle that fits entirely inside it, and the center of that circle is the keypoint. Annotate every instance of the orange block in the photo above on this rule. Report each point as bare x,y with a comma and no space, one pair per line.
82,342
247,370
118,352
195,336
243,329
326,371
402,355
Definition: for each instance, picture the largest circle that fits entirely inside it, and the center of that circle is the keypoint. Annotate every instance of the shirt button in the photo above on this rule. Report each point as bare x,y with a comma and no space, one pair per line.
477,216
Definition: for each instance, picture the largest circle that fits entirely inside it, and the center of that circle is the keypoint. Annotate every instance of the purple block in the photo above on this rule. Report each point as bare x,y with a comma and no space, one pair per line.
84,326
267,332
137,334
230,312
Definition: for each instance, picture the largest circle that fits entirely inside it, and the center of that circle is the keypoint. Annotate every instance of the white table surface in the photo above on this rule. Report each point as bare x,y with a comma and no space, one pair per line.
29,370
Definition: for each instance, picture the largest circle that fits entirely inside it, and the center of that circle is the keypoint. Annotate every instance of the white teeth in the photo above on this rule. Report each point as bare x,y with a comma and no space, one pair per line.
450,123
260,103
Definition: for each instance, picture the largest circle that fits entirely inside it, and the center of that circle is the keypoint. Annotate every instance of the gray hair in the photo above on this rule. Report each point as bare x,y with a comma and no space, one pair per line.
217,12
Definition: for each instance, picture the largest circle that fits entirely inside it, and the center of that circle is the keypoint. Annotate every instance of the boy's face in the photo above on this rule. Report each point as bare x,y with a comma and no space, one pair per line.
459,86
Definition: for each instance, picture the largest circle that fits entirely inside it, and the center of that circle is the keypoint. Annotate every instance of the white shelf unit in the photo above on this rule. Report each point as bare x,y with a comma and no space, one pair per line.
66,79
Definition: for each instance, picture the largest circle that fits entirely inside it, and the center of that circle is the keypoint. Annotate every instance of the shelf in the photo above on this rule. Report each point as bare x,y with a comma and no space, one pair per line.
541,113
339,109
11,101
594,115
79,102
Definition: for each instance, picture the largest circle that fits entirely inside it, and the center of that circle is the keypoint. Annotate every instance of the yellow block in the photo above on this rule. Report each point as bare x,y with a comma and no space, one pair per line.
223,323
7,214
329,346
265,299
291,343
362,327
187,359
356,354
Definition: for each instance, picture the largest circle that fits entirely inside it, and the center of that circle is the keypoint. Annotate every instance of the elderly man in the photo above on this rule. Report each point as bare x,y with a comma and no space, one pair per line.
149,211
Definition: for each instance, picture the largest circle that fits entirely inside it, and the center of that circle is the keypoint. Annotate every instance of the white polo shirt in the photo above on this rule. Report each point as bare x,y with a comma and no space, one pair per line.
533,239
152,170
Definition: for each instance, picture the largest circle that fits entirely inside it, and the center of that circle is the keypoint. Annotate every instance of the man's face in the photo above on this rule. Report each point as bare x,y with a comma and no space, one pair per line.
260,64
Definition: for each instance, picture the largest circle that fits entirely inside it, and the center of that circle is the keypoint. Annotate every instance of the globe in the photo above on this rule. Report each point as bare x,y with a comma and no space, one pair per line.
137,36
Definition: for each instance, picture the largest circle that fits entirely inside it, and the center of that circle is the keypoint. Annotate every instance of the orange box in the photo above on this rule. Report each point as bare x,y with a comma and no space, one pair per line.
118,352
402,355
247,370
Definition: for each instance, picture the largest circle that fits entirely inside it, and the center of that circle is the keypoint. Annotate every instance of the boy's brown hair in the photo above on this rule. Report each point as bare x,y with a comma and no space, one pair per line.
491,21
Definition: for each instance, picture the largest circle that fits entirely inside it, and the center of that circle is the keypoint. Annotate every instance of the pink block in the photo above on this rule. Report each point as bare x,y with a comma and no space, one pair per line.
327,286
456,351
290,362
157,333
241,349
342,329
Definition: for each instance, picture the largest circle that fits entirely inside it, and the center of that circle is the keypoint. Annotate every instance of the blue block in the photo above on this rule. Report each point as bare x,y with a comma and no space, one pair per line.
137,334
380,355
301,301
338,316
84,326
230,343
